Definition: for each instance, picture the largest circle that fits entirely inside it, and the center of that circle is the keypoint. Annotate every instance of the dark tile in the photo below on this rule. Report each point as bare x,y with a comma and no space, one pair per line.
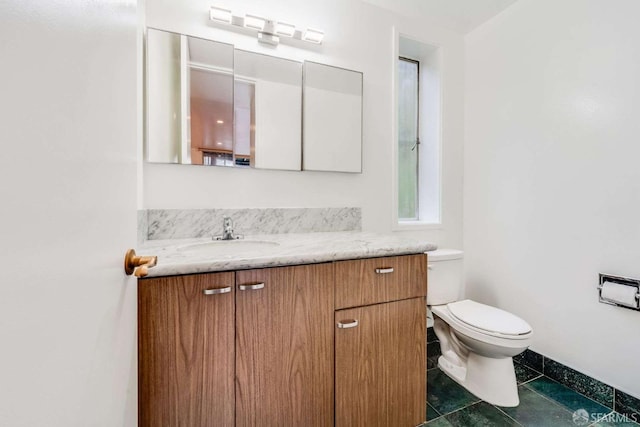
524,374
592,388
444,394
530,359
628,405
570,399
433,349
431,335
431,363
439,422
618,420
478,415
433,353
432,414
535,410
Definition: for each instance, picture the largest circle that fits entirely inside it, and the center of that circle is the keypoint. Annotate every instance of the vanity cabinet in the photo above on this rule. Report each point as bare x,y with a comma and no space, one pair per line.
284,343
269,346
242,348
380,365
186,352
380,345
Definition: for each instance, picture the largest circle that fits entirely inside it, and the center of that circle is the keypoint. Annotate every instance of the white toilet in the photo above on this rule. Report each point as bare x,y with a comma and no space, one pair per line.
477,341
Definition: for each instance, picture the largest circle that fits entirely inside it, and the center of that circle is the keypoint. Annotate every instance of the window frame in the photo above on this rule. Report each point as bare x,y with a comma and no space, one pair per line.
416,217
432,194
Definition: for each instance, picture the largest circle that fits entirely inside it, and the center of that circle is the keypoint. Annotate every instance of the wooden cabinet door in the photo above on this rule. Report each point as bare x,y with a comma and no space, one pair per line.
284,342
186,350
381,365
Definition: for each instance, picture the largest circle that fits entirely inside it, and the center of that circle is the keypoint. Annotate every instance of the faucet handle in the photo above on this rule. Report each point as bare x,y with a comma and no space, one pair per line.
227,230
234,237
227,221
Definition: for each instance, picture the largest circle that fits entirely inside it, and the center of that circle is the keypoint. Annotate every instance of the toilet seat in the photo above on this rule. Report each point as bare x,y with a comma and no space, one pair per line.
474,331
488,319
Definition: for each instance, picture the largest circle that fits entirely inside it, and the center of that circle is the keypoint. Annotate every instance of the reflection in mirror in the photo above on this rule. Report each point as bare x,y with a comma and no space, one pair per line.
163,97
189,100
268,111
332,119
210,105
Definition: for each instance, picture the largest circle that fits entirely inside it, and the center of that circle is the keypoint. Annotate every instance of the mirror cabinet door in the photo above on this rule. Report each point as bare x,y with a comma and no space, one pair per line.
332,119
208,96
208,104
268,111
163,116
189,100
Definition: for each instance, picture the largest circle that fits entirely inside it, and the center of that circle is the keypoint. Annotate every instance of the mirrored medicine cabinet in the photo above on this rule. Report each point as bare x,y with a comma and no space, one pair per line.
210,104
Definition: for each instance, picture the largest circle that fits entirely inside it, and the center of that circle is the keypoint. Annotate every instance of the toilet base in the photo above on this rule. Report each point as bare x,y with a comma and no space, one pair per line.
492,380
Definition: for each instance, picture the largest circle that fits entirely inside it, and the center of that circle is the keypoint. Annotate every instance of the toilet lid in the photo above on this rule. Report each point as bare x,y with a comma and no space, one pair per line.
488,318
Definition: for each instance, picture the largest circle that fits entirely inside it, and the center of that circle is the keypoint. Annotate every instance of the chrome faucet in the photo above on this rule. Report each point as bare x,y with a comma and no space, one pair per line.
227,231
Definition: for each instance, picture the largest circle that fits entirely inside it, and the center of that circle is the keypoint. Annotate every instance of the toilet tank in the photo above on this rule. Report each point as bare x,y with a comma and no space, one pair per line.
444,276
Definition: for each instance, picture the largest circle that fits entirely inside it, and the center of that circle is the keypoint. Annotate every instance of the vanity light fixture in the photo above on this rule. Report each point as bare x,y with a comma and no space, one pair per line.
220,14
268,38
269,31
285,30
254,22
313,36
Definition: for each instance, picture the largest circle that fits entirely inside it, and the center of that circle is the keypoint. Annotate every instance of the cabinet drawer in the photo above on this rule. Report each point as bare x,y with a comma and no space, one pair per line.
377,280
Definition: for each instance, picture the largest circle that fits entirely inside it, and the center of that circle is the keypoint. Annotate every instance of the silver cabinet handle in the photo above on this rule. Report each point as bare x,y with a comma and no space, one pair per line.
384,270
254,287
217,291
346,324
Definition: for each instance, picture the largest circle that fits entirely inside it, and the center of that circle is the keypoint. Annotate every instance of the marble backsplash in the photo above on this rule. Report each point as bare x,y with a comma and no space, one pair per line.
143,226
155,224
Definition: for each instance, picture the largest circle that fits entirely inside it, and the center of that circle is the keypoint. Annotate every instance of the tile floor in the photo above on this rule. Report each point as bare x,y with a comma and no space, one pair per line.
543,402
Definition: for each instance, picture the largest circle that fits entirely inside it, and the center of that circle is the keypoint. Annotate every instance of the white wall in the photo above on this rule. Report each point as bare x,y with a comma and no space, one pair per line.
67,213
552,183
357,36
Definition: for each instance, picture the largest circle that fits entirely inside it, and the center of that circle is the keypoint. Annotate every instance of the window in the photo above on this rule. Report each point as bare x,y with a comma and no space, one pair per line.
408,138
418,134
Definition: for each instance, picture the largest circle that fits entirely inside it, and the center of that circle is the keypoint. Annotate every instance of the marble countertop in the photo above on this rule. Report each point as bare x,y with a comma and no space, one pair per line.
187,256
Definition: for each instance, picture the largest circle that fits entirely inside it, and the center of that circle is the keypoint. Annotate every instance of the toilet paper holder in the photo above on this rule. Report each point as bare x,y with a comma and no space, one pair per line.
627,281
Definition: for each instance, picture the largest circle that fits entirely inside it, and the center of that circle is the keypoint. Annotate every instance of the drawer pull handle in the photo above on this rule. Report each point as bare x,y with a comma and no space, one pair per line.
253,287
217,291
429,267
346,324
385,270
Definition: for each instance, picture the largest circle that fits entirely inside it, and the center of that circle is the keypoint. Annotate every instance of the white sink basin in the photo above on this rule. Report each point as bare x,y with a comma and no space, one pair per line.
227,247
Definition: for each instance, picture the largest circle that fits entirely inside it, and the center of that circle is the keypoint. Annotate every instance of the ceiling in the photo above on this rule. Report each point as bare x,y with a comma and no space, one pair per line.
461,16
